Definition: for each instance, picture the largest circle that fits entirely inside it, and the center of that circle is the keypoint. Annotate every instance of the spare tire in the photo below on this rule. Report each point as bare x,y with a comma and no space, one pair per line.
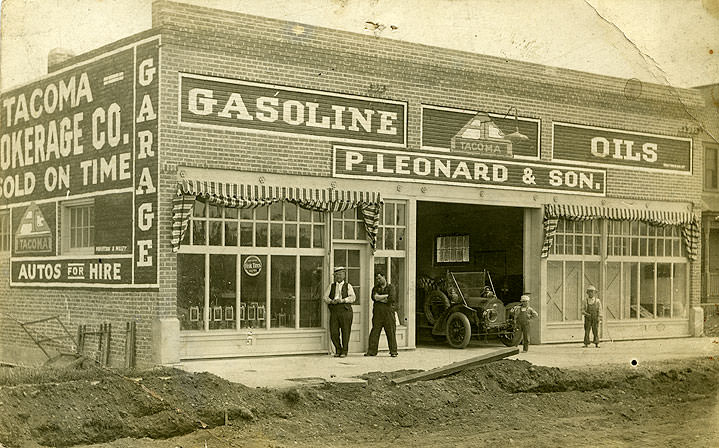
435,303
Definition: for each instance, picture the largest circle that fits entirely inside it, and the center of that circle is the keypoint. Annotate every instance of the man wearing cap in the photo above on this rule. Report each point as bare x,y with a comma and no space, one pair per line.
592,316
523,313
339,297
384,299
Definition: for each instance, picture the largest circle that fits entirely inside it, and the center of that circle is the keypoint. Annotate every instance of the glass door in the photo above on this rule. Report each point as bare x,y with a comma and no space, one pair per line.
352,257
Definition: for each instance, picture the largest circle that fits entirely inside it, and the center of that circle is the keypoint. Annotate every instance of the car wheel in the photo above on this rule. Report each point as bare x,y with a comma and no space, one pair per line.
459,330
435,303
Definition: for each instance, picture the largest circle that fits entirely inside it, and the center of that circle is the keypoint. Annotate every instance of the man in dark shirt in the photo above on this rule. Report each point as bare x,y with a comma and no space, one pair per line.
384,298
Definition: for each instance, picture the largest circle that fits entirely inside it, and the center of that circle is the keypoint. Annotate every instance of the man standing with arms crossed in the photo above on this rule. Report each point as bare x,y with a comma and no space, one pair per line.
339,297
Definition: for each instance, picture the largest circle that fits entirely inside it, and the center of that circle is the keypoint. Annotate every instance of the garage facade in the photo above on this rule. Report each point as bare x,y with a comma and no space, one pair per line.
205,186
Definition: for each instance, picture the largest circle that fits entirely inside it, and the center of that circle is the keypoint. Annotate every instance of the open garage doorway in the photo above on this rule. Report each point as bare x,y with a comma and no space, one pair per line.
465,238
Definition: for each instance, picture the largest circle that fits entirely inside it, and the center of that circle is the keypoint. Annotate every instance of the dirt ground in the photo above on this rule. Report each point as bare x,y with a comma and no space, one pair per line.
508,402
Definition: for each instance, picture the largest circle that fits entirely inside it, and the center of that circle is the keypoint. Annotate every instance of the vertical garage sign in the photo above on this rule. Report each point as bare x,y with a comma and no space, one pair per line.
79,171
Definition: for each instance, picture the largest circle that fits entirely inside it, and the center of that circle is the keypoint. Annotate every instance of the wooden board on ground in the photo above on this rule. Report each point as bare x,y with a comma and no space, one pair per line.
458,366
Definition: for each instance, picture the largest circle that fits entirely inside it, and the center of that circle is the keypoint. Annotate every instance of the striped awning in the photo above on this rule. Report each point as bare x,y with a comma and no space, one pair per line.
685,220
233,195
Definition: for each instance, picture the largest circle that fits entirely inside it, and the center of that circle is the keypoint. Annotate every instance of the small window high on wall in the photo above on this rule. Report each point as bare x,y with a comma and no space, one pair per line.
452,249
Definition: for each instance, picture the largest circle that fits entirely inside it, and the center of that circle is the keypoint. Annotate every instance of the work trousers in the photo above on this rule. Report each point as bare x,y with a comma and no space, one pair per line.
340,326
382,318
524,328
591,323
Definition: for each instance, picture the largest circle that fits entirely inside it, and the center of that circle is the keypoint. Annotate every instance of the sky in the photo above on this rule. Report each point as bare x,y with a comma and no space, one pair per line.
672,42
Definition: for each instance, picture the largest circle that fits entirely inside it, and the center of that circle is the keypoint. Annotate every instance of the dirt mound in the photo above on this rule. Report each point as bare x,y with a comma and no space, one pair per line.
55,409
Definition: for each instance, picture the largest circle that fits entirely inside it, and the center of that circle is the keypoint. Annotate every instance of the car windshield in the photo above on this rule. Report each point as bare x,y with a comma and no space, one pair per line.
470,283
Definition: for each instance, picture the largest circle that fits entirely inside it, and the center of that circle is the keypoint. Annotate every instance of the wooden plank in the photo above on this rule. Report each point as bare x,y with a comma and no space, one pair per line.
458,366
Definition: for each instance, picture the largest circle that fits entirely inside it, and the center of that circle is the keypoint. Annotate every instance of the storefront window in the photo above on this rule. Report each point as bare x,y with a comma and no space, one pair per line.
191,291
646,271
223,292
282,241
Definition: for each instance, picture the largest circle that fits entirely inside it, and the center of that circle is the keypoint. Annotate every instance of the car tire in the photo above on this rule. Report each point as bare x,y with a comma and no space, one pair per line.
434,305
459,330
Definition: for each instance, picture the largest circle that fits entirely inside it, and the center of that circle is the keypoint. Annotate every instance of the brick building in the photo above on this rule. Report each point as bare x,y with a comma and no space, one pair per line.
203,177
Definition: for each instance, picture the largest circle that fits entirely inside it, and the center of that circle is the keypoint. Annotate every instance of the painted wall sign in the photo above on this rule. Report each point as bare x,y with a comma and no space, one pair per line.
448,169
34,234
592,146
252,265
78,272
266,108
478,134
88,132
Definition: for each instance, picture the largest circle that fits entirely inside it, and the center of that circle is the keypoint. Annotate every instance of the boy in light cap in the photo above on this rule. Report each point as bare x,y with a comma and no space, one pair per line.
592,312
523,313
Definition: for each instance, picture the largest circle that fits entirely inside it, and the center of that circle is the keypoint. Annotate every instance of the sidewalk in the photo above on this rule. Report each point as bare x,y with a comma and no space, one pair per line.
287,371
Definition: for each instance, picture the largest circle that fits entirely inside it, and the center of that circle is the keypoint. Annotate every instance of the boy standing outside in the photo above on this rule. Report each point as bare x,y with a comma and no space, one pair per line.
592,316
523,314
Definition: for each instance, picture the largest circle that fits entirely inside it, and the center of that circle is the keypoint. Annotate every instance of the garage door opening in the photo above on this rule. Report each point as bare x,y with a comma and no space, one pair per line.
464,238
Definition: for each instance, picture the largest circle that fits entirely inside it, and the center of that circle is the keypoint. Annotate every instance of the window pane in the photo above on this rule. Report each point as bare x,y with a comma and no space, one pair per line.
680,302
311,290
276,235
664,289
215,233
629,287
253,293
199,209
261,234
400,215
318,236
222,291
198,233
555,286
380,243
573,290
389,238
646,293
361,231
283,291
231,213
231,233
305,215
276,211
349,230
190,291
246,234
389,214
246,213
336,229
397,278
290,235
612,299
261,213
305,235
290,212
215,211
400,239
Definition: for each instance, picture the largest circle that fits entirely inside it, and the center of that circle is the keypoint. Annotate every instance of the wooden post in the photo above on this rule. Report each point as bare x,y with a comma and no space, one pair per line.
108,339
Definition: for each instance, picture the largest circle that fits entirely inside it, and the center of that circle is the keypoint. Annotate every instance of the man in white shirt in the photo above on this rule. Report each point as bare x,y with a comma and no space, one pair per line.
339,297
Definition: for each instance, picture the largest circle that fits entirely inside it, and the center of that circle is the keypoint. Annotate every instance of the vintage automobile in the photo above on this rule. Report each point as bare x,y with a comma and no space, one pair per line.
465,304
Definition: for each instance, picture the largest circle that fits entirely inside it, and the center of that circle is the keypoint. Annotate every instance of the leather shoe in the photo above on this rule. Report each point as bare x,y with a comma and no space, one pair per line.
394,355
343,355
369,354
337,355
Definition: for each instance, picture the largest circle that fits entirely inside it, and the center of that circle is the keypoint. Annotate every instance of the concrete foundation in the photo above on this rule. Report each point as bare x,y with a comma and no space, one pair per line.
166,341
